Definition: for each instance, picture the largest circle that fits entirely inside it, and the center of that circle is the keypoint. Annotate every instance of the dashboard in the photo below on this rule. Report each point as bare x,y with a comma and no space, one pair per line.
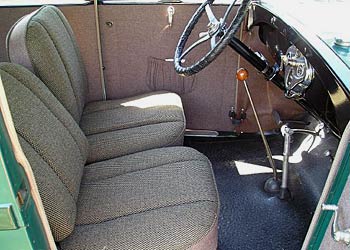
311,75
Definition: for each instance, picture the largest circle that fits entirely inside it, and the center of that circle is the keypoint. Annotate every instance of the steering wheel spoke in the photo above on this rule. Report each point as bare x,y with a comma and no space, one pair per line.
210,14
213,42
204,38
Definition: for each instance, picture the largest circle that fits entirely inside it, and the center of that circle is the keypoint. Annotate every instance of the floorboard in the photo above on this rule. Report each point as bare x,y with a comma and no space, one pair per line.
249,217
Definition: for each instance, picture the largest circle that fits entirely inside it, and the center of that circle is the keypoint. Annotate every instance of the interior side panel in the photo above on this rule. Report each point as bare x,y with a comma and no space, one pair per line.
135,41
266,96
82,20
134,49
137,38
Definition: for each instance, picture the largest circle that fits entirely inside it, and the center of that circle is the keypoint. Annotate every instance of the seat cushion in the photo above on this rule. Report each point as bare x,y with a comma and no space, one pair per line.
157,199
119,127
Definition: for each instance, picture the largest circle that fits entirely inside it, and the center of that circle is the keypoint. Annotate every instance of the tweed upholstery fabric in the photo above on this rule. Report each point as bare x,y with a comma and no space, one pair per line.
41,91
119,127
55,57
147,109
127,141
52,141
164,228
157,199
60,207
139,161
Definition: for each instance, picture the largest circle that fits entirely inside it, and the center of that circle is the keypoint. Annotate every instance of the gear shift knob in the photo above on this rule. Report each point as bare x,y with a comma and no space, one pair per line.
242,74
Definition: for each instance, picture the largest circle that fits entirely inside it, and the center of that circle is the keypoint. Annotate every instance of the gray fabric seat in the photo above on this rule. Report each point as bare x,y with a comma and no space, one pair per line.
146,122
43,42
165,196
156,199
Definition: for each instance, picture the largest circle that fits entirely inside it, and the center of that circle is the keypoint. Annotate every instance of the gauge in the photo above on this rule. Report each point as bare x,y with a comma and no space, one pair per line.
298,73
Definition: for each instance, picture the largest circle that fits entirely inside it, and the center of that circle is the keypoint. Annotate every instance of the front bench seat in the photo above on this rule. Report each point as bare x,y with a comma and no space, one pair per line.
156,199
43,42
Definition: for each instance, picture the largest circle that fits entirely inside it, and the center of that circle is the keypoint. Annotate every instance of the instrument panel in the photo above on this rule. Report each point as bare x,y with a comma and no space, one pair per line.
298,73
308,77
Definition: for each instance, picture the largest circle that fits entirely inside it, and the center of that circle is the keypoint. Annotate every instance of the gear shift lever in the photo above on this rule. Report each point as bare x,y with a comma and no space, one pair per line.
272,185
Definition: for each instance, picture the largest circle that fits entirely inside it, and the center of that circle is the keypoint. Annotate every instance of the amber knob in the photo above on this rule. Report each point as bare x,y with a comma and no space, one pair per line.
242,74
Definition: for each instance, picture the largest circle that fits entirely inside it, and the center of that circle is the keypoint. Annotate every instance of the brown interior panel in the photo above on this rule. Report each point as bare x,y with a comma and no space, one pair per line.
141,32
162,76
82,20
266,96
136,40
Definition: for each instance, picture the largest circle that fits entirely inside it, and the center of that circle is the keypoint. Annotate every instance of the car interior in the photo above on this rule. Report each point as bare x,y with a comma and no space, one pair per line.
139,140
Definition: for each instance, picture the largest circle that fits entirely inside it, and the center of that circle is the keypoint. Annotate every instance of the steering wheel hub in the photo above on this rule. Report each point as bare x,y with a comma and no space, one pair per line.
213,28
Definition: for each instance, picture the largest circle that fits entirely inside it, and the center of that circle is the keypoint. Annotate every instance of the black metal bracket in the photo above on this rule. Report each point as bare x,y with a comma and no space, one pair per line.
258,61
235,118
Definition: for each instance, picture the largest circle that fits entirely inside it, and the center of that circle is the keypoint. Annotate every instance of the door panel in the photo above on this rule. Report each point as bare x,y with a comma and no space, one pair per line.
82,20
141,32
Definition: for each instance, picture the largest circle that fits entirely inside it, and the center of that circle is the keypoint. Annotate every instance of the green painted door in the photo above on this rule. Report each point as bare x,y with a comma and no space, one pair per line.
337,197
20,225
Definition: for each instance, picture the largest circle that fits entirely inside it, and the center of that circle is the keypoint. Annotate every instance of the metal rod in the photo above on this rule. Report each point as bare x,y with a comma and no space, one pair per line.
267,147
286,152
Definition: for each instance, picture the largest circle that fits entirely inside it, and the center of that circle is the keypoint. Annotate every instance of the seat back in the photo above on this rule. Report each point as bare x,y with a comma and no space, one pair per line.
43,42
53,143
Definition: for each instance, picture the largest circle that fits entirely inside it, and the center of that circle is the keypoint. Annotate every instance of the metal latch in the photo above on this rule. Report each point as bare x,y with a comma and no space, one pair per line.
337,234
171,13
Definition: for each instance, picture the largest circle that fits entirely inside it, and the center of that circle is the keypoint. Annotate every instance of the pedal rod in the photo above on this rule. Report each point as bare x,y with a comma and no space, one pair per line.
263,137
287,133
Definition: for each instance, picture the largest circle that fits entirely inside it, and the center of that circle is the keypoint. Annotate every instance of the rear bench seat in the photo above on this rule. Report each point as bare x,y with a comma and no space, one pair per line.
156,199
44,43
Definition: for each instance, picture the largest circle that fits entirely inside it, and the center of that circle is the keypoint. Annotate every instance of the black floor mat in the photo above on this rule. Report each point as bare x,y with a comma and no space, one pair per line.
249,217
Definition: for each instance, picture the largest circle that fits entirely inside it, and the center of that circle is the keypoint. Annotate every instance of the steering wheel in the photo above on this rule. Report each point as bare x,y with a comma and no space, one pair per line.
216,29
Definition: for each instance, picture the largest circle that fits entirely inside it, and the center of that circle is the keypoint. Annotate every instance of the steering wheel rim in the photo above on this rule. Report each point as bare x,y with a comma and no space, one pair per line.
217,49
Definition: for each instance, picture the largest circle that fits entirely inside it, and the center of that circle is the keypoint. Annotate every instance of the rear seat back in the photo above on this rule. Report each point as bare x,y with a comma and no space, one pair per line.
44,42
53,143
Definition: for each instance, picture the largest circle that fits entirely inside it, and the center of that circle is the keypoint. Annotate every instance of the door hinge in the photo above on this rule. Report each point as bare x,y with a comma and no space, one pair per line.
7,217
337,234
